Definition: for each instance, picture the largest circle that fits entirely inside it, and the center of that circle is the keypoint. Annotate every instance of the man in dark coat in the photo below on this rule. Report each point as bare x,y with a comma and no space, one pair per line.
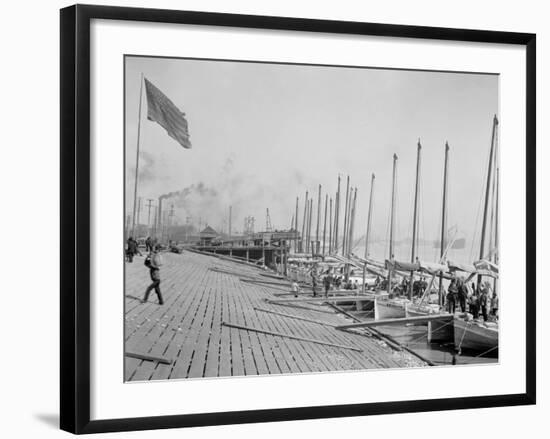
154,262
327,282
131,249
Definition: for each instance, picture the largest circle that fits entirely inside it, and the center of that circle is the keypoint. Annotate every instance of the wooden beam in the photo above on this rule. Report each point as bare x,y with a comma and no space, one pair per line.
308,293
280,334
307,308
398,321
290,316
266,282
148,357
324,299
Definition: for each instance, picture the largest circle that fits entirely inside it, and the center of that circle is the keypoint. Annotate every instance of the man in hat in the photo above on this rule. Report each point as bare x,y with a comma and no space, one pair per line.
154,261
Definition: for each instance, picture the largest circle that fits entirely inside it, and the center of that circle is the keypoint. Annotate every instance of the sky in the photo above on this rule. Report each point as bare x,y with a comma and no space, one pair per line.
263,134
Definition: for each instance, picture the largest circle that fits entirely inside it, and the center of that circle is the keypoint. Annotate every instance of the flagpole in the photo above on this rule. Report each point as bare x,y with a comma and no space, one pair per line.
137,156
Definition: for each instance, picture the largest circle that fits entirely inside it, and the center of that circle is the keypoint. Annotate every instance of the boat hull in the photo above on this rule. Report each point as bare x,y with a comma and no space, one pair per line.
387,309
475,336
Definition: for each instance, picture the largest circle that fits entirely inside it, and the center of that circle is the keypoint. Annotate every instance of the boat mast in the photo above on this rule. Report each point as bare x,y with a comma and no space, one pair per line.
352,223
344,235
318,216
443,219
304,225
487,194
369,217
325,224
330,227
336,217
496,224
415,214
296,226
392,218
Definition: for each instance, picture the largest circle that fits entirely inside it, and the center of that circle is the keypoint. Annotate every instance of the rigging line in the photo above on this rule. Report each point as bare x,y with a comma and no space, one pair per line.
487,351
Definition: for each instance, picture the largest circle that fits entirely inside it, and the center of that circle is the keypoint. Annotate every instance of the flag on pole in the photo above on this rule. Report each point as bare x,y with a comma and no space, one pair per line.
162,110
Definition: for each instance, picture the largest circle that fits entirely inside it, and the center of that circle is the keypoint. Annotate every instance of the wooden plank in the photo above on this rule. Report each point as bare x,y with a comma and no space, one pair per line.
147,357
240,343
278,334
198,362
302,355
398,321
262,349
285,353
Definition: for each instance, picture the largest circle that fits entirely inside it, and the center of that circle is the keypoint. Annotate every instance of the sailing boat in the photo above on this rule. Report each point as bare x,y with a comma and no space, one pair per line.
473,334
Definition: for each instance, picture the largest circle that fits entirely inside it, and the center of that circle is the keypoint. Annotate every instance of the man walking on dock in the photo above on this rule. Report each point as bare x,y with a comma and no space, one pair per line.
327,282
154,261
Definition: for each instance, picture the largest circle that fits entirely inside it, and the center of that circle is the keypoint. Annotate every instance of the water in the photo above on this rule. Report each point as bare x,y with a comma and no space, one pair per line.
415,338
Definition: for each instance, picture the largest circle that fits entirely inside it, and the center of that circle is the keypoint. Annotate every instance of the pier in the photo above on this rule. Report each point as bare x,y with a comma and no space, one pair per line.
214,324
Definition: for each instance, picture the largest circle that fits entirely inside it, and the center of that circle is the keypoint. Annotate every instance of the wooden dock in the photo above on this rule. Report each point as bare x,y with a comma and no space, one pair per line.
213,324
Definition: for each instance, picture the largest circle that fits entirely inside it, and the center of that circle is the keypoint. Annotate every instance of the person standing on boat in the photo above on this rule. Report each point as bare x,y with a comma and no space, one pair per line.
473,305
494,304
452,296
314,280
484,301
462,294
154,262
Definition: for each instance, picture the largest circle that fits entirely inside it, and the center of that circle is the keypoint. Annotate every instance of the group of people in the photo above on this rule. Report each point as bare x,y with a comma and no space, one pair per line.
330,281
475,300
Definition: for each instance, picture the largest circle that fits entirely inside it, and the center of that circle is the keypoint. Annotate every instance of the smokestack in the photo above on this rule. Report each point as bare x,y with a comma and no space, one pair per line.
230,211
159,216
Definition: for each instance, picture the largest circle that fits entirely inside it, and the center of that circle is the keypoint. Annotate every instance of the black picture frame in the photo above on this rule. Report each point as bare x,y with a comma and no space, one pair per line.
75,217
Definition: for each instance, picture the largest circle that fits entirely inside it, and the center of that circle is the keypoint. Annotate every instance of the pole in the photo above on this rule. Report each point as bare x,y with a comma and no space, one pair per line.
392,218
415,215
138,216
443,218
496,225
137,155
310,215
369,217
330,228
351,225
304,225
318,215
344,237
296,227
336,217
325,224
489,172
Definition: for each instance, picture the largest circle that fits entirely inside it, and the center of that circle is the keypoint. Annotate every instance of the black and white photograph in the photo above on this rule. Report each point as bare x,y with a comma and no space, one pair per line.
301,219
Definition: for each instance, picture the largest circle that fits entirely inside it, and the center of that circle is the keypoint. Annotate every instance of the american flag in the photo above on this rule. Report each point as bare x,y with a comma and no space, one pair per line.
162,110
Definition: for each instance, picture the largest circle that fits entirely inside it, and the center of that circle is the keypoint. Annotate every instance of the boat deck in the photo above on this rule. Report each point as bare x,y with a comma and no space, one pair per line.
203,292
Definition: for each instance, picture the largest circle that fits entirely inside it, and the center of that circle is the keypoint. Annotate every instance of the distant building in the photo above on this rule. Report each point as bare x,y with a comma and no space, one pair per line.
207,235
